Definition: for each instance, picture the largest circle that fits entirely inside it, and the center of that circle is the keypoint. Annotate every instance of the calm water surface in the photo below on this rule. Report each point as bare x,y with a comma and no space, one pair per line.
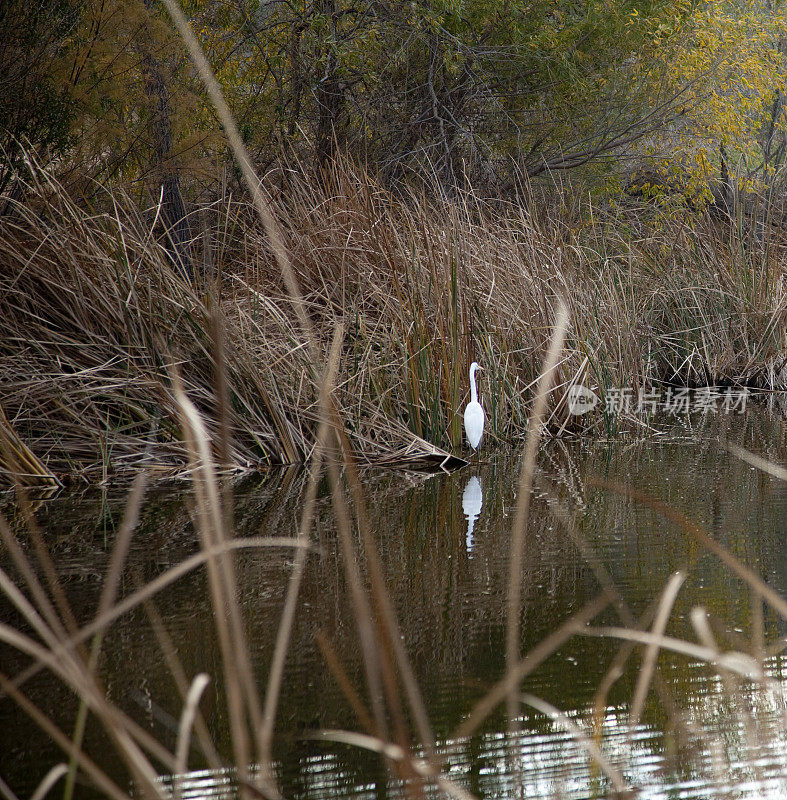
444,541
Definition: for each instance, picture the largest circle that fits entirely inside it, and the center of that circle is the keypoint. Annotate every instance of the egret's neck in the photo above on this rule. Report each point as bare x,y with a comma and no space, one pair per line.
473,391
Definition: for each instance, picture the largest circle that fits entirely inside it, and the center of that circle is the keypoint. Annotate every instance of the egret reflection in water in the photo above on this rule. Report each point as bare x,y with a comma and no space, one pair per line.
472,500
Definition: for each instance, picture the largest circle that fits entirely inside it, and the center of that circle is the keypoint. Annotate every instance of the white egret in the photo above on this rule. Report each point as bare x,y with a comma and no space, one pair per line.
474,413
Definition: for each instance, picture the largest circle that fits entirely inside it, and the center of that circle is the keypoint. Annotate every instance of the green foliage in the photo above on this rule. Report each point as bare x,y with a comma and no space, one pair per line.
727,62
485,90
461,86
34,107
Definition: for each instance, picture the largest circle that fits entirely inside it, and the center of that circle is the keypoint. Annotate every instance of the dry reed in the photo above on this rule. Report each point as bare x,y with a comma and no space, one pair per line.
94,316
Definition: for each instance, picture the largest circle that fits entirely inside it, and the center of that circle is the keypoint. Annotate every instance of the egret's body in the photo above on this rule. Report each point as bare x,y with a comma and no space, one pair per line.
474,413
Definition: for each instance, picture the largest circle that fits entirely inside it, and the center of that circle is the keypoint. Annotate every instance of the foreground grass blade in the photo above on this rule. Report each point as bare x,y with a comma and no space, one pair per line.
519,526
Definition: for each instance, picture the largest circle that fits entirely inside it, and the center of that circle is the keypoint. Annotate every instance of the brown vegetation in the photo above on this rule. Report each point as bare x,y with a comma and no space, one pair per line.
95,317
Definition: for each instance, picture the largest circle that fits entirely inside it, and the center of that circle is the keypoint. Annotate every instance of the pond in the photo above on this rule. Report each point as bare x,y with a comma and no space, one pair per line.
444,543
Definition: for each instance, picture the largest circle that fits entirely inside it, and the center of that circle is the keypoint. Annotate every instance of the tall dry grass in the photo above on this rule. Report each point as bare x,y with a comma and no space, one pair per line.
94,316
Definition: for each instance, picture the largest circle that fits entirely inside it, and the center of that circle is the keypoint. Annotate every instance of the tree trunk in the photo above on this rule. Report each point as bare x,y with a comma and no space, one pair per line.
329,95
173,206
727,190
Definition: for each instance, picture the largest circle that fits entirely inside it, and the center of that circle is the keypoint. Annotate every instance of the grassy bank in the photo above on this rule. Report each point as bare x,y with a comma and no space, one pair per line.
95,319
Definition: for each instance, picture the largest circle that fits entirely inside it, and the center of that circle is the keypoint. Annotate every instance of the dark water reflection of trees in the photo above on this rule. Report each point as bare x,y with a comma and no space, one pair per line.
449,591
